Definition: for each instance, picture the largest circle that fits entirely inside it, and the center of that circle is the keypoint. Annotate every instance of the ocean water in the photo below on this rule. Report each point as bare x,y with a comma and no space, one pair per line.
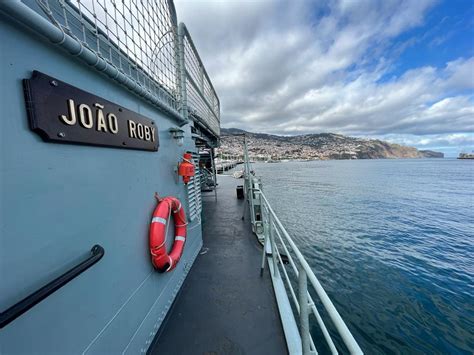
392,242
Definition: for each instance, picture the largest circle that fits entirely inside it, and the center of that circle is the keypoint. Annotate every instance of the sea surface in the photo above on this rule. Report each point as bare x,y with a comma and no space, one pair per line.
391,241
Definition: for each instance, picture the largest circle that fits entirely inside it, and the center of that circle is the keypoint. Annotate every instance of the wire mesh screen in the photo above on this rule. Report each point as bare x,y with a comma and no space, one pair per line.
202,99
136,42
139,37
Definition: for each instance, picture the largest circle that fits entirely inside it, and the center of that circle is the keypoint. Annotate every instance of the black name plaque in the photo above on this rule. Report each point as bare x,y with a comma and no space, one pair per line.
60,112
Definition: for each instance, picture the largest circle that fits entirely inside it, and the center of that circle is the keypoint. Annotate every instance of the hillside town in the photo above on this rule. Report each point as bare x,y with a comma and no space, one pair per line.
322,146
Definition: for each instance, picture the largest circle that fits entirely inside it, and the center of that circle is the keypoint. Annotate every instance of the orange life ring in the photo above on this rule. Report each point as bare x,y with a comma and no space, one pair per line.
162,261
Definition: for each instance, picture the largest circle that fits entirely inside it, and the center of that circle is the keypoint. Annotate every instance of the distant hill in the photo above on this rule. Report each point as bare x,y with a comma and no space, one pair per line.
316,146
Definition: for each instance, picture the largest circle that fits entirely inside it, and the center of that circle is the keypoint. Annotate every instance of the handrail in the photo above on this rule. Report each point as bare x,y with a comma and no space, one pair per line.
339,323
274,230
8,316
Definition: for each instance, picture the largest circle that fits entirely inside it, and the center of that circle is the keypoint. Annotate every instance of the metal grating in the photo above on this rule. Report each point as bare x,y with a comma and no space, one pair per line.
194,191
138,37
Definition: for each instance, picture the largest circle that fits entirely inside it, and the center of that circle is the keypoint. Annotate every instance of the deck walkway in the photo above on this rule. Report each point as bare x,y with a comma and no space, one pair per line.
224,306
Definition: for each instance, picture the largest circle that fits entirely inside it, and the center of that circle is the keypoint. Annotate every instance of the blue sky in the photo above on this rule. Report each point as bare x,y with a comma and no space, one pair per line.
446,34
397,70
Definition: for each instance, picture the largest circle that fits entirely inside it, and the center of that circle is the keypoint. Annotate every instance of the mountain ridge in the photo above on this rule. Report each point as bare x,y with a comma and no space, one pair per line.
316,146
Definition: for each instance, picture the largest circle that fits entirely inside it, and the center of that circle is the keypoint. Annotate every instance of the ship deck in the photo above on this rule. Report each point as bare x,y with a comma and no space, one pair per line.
224,306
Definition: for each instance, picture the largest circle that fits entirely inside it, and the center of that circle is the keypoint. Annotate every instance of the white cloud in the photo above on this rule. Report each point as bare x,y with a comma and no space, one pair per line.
440,140
303,67
461,74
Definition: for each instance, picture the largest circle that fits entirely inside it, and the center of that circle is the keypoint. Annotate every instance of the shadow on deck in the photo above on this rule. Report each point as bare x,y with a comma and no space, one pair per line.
224,306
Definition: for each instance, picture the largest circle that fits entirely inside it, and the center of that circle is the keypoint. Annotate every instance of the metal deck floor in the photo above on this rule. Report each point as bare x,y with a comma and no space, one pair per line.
224,306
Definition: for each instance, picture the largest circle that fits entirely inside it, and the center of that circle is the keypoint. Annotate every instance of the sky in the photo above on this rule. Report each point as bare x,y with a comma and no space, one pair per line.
397,70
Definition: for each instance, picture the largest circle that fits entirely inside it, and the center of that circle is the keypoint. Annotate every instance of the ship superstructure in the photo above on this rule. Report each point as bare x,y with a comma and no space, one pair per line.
466,156
100,100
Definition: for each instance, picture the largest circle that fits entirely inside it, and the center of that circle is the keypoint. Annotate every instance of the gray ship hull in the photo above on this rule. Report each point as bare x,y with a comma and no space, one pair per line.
58,200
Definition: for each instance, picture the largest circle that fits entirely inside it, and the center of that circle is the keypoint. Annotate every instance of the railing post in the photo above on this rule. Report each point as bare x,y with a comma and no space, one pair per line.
182,72
304,311
276,271
201,79
252,206
262,267
265,239
213,165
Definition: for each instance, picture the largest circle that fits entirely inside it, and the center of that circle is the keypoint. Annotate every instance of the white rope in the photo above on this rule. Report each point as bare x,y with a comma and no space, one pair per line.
179,207
170,262
166,232
167,224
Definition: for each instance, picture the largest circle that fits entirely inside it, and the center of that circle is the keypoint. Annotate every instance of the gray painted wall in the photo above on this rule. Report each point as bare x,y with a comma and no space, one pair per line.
58,200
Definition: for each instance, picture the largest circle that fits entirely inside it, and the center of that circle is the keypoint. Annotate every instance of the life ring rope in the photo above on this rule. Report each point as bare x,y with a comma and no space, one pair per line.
161,259
164,221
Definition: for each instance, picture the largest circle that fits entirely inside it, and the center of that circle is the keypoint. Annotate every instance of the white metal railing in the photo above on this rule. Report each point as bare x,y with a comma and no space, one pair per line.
295,272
